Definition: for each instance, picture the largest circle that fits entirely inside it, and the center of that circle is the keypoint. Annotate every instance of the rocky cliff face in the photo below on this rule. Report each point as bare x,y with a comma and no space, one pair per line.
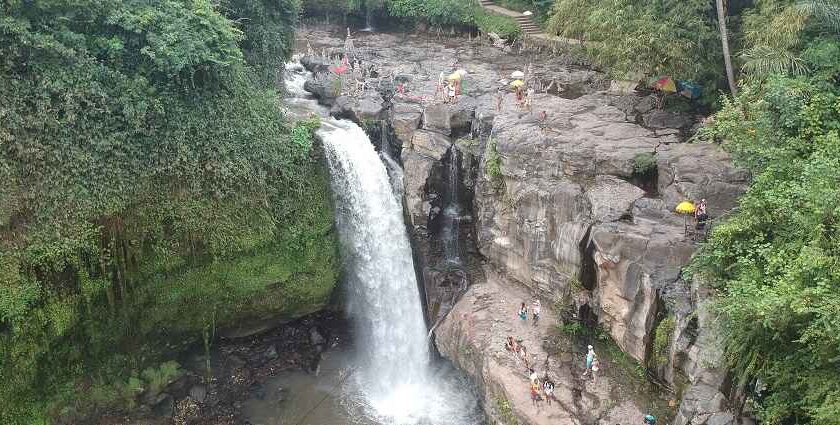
571,202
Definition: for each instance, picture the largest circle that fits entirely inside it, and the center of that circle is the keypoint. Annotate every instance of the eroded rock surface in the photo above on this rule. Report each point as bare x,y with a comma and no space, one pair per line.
577,210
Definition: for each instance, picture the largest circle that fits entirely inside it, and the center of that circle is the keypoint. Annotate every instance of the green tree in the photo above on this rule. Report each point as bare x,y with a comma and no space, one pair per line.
724,40
631,38
776,262
776,33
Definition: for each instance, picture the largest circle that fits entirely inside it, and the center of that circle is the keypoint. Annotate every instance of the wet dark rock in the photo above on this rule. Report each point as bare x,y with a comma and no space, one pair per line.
461,116
659,119
271,353
198,393
165,405
257,391
235,361
315,337
436,117
322,90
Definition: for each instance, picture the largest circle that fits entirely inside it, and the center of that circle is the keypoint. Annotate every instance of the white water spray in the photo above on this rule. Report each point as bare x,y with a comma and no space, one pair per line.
396,375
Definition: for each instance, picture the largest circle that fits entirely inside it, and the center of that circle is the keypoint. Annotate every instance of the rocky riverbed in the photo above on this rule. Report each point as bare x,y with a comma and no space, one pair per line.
242,371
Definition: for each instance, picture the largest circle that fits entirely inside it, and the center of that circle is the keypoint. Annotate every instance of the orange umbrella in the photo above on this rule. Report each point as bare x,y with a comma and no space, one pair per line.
666,84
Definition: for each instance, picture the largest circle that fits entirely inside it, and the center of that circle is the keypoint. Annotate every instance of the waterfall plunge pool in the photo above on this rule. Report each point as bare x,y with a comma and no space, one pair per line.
388,374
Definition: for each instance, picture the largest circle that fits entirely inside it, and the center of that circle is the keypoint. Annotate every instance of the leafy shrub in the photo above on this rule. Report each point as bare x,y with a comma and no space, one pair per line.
634,38
776,261
506,411
572,328
662,341
157,379
504,26
644,164
493,162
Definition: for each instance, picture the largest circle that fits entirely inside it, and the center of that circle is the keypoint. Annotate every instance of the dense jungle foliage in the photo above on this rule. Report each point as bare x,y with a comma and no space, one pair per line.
441,14
633,38
775,262
151,191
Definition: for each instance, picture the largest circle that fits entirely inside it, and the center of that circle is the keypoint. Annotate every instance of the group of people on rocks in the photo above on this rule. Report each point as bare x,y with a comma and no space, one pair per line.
542,389
536,309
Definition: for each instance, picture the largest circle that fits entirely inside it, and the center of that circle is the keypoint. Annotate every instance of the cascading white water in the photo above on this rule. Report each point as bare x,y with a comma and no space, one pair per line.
396,375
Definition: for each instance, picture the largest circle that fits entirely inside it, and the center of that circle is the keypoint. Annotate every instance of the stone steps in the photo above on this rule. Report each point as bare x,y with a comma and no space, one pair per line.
526,24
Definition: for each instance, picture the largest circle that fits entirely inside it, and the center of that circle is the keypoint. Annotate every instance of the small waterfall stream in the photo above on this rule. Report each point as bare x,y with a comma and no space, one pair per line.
452,210
396,378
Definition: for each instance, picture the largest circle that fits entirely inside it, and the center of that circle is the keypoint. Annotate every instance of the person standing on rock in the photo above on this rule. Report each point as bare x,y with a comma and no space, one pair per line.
523,312
596,366
590,357
535,394
537,308
548,390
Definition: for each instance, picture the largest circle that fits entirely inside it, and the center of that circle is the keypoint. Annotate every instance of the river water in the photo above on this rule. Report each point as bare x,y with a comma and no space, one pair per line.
389,375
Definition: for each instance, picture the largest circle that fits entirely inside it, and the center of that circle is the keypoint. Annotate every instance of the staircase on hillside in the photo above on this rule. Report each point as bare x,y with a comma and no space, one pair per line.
525,22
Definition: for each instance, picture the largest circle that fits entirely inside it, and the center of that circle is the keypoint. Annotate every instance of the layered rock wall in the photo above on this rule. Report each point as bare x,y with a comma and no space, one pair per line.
571,202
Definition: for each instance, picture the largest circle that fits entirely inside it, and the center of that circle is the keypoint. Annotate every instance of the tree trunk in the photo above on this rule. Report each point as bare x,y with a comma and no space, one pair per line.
724,39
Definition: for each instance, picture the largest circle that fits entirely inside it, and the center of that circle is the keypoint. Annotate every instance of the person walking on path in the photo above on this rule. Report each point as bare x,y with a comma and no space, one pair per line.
523,312
536,309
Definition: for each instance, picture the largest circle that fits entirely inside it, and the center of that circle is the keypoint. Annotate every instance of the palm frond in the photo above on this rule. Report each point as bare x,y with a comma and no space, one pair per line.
825,12
763,61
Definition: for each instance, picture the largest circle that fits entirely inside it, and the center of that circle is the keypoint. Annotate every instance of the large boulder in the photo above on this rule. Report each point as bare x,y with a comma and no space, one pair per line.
416,173
700,170
365,109
704,405
430,144
437,117
405,121
631,261
534,232
323,90
612,198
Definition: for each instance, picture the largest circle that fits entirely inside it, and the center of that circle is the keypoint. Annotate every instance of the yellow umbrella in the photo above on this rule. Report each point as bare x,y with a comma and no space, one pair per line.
685,207
455,76
517,83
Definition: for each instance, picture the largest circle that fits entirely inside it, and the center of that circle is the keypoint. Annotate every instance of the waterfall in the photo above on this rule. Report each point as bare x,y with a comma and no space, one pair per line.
452,210
396,374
